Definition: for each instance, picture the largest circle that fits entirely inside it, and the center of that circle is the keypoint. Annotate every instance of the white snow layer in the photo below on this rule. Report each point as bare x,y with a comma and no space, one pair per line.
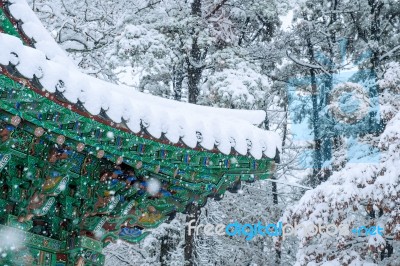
225,128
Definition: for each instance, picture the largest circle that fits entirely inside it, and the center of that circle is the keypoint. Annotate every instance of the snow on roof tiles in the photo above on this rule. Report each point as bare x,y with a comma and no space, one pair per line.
193,124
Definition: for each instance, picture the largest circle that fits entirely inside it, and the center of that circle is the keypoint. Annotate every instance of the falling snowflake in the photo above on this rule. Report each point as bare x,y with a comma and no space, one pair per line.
11,239
153,186
110,135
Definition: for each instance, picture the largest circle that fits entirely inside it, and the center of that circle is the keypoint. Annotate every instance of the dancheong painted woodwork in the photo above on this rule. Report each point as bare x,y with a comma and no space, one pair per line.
72,182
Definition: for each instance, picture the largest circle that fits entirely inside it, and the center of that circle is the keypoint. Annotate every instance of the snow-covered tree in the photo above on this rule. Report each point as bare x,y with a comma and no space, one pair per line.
363,191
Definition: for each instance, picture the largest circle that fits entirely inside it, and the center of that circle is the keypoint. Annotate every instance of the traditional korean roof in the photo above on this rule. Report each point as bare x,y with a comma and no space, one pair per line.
225,130
80,158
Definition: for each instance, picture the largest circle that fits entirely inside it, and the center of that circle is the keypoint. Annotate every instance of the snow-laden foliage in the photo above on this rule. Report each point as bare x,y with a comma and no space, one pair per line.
357,194
154,45
250,205
389,96
234,83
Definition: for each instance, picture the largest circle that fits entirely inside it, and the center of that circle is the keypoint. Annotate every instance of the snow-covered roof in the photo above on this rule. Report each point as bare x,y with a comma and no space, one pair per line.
209,127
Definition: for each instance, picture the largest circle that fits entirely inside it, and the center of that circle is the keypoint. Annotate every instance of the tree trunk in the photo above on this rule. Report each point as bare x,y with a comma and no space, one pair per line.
166,246
194,72
274,197
275,201
178,76
193,214
375,29
195,67
285,124
317,164
316,128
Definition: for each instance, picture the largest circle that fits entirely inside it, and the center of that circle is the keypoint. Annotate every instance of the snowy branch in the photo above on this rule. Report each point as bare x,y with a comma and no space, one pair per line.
216,8
390,53
304,64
